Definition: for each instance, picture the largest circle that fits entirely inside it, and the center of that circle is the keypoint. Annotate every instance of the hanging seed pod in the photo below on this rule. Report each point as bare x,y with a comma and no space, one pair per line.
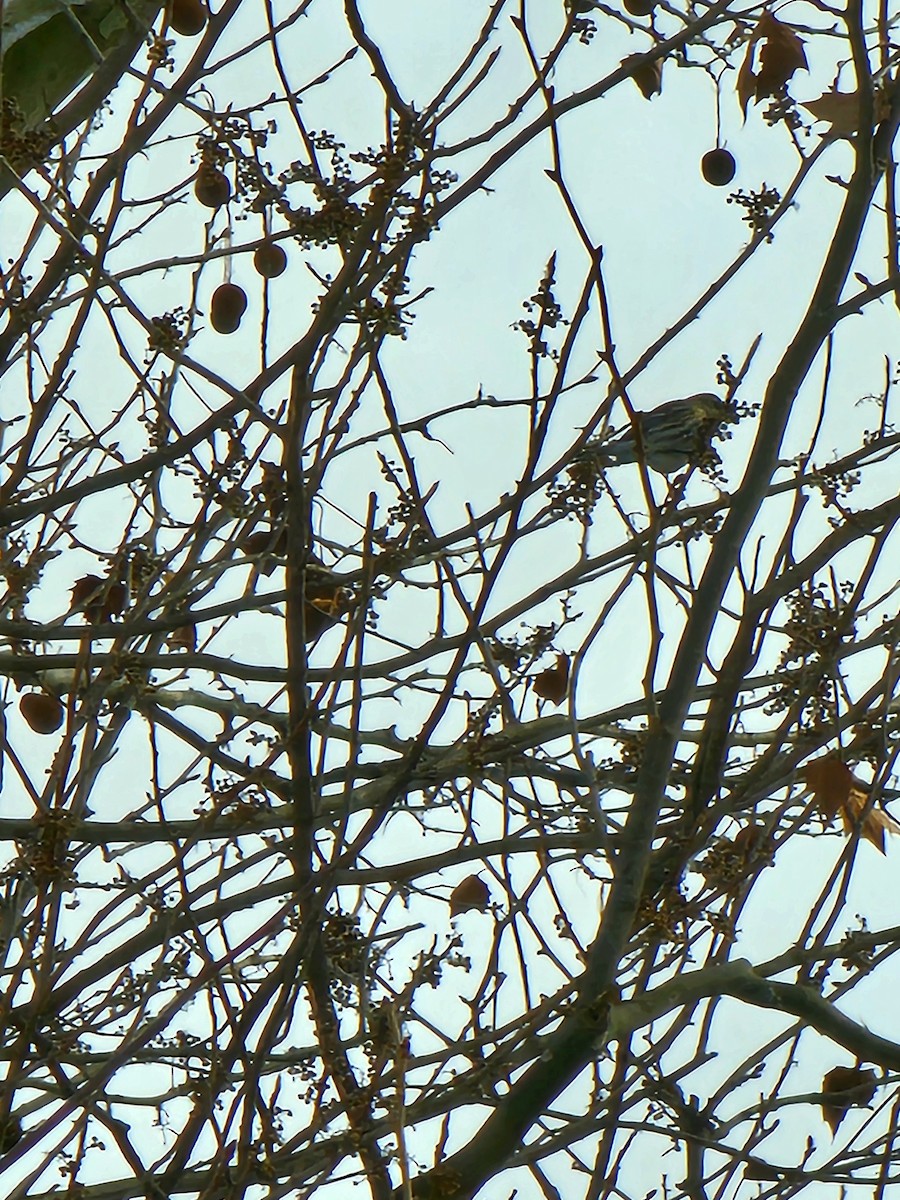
228,305
211,187
187,17
718,166
42,712
269,260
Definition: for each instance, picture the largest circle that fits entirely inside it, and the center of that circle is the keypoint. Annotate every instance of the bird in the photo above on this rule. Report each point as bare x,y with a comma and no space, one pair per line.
673,435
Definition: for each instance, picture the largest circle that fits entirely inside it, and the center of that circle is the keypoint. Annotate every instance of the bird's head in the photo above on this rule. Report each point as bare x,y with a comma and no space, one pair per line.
708,407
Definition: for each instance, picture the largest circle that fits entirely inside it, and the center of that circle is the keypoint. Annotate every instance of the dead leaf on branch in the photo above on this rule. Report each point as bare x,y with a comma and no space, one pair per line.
873,825
774,53
647,76
553,683
837,790
830,781
182,638
99,599
471,893
841,110
846,1088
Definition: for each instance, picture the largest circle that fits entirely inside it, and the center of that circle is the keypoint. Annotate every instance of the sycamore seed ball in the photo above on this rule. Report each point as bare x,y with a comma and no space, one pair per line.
718,167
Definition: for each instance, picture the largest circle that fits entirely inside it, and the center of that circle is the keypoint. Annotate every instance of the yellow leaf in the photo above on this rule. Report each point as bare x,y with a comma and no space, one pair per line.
837,790
874,824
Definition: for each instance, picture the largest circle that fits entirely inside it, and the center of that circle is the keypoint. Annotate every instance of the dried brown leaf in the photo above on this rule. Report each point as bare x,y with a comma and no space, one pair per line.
553,683
99,599
830,781
837,790
749,839
841,110
647,76
183,638
471,893
266,543
780,54
746,80
846,1087
838,109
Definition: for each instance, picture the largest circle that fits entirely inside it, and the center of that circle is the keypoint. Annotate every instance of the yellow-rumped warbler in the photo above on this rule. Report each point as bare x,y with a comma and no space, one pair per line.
672,436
